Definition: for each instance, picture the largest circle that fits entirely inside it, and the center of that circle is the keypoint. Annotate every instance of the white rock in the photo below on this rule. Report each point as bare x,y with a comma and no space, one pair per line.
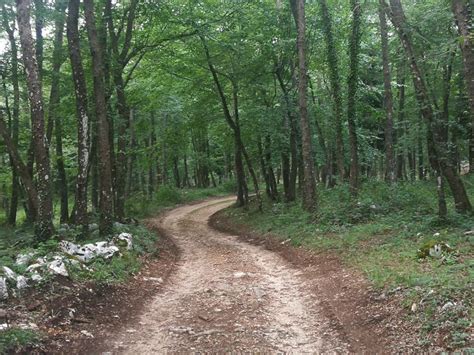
33,267
87,334
21,282
24,259
9,273
125,238
57,267
90,251
36,277
436,251
447,306
3,288
239,274
4,326
68,247
414,307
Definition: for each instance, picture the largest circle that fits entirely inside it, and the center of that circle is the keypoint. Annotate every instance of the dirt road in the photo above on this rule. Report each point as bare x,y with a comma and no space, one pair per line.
227,295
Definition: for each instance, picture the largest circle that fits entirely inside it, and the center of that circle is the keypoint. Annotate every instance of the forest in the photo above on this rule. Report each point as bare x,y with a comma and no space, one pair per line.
341,127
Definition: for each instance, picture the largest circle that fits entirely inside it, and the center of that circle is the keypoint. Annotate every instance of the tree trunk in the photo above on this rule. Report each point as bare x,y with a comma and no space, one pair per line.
309,189
332,58
354,49
105,175
80,90
15,192
290,167
44,225
53,115
463,15
242,190
390,173
461,198
20,167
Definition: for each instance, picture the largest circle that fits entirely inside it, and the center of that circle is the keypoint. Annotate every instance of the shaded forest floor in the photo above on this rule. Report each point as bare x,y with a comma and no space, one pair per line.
379,236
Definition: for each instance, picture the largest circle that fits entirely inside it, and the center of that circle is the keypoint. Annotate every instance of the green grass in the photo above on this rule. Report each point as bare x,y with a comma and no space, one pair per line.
380,234
15,339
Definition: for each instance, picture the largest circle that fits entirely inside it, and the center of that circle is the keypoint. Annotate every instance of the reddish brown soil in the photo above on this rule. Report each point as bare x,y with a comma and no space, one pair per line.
232,290
371,322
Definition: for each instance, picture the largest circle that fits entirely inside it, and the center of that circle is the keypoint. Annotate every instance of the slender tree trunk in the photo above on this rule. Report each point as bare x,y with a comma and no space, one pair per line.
53,115
242,190
20,167
15,192
290,167
310,202
242,146
80,90
105,176
333,62
390,174
461,198
44,224
354,49
401,123
321,139
463,14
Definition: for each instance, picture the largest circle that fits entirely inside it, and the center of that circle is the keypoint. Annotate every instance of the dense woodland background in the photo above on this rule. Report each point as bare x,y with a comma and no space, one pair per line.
103,103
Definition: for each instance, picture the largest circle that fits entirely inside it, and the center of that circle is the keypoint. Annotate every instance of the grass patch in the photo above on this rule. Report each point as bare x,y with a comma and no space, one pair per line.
380,234
16,339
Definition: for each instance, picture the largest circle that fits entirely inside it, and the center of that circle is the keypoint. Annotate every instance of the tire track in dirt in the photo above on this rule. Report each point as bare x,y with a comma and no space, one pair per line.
228,295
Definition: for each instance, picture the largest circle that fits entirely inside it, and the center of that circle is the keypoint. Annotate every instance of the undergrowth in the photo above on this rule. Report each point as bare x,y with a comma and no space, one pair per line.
380,234
15,338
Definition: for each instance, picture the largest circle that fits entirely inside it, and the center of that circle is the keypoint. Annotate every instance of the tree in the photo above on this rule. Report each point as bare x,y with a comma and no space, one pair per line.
15,114
44,224
105,176
334,77
463,15
352,81
53,115
309,188
390,174
435,141
80,89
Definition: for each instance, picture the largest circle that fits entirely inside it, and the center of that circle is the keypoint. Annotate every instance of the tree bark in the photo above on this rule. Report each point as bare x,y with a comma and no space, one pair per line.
354,49
105,176
80,90
15,192
310,202
44,225
390,173
53,115
20,166
463,14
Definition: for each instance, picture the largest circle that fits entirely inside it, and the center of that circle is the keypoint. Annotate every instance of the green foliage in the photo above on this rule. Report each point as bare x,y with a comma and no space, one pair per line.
16,339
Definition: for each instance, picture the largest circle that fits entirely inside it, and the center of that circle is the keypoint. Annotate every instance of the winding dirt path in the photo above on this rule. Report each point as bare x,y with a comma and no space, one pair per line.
228,295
